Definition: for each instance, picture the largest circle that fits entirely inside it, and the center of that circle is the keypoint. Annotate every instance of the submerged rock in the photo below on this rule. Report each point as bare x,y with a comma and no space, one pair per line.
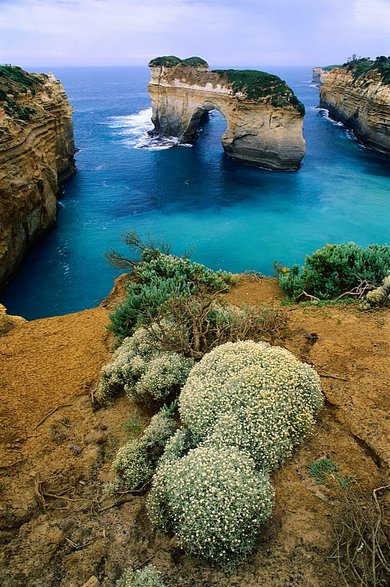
36,155
264,117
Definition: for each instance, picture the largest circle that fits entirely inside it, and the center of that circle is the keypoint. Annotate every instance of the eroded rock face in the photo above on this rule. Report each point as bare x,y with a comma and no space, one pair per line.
36,155
265,131
361,103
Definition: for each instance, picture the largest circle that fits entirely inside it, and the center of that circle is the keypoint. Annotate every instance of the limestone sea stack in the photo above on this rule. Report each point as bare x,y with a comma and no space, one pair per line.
36,155
358,94
264,117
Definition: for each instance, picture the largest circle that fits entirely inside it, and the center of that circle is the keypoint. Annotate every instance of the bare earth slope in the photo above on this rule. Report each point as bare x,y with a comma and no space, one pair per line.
58,530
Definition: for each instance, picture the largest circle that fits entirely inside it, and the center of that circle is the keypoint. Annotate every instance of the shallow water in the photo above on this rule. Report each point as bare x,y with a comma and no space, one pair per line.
231,216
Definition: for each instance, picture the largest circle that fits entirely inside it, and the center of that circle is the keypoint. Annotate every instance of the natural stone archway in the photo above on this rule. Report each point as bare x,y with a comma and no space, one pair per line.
264,117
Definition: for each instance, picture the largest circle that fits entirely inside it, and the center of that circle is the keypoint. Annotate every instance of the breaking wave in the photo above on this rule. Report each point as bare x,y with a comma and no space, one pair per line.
133,131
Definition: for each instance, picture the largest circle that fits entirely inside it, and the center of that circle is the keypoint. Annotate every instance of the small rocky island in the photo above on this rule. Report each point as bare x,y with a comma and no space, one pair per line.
358,94
36,155
264,117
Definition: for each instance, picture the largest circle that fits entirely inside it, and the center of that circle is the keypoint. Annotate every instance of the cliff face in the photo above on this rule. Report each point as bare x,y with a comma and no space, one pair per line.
36,155
361,103
264,123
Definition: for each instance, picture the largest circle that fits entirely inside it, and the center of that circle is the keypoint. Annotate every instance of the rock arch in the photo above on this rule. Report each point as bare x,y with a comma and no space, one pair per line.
264,120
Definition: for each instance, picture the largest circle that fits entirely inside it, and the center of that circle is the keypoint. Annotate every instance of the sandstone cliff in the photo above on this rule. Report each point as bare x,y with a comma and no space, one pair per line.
264,117
36,155
358,94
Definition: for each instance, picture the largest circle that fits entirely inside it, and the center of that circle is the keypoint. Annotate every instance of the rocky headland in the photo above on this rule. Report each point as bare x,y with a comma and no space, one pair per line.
264,117
358,94
36,155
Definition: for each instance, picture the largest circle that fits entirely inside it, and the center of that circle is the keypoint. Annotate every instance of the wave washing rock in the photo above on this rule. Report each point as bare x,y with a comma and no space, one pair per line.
36,155
358,94
264,117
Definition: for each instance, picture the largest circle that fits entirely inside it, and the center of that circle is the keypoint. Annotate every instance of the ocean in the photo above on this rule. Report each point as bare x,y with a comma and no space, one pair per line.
195,198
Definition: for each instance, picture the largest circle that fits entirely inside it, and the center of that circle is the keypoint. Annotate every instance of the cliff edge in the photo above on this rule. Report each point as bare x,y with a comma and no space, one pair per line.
264,117
36,155
358,94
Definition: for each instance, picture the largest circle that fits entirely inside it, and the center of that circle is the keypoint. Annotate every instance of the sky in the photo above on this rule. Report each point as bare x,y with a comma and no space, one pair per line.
224,32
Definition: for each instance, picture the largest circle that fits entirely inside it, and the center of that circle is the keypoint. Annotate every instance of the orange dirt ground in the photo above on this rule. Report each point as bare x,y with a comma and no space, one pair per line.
56,528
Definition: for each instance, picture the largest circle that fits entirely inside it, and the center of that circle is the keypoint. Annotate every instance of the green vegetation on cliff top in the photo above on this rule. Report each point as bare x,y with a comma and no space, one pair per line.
256,84
172,61
364,66
13,82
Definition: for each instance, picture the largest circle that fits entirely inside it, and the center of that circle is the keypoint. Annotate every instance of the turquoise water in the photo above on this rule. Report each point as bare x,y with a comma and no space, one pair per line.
232,216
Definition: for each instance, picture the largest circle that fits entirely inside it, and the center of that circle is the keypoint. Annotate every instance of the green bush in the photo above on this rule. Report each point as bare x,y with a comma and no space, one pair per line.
142,371
146,577
214,500
158,277
335,270
252,396
135,462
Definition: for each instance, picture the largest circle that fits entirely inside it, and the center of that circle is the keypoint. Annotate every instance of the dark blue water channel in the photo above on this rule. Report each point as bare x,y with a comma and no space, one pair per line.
232,216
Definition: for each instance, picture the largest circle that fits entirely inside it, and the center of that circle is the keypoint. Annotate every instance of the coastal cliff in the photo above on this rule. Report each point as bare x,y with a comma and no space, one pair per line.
36,155
264,117
358,94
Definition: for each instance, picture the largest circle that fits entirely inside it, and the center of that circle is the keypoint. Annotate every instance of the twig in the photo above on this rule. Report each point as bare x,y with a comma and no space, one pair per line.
331,376
55,496
307,295
50,413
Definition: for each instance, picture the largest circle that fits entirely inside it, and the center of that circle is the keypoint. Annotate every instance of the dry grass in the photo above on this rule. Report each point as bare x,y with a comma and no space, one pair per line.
362,539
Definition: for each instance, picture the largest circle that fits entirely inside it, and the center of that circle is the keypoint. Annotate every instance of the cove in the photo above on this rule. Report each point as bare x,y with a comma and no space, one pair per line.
231,216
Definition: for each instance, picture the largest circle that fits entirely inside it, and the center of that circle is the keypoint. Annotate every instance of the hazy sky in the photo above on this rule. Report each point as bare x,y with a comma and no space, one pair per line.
224,32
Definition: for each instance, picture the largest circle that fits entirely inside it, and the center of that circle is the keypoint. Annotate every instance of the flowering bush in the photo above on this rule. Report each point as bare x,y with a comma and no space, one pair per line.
135,462
146,577
165,373
252,396
141,370
214,500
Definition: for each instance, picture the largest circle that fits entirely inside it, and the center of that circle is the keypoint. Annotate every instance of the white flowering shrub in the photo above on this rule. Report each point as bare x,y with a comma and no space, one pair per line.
127,364
214,500
135,462
165,373
143,371
253,396
146,577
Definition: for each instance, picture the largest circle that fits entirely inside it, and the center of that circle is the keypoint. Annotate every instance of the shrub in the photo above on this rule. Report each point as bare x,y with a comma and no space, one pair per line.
164,375
203,321
157,277
135,462
127,364
214,500
146,577
142,371
252,396
335,270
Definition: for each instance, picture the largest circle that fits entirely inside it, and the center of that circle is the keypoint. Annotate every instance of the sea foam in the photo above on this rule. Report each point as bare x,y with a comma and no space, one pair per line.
134,129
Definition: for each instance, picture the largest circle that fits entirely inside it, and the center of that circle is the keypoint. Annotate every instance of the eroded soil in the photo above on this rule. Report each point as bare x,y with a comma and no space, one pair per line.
56,527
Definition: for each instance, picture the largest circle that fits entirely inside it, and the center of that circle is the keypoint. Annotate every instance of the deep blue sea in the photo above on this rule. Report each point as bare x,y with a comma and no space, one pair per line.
195,198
